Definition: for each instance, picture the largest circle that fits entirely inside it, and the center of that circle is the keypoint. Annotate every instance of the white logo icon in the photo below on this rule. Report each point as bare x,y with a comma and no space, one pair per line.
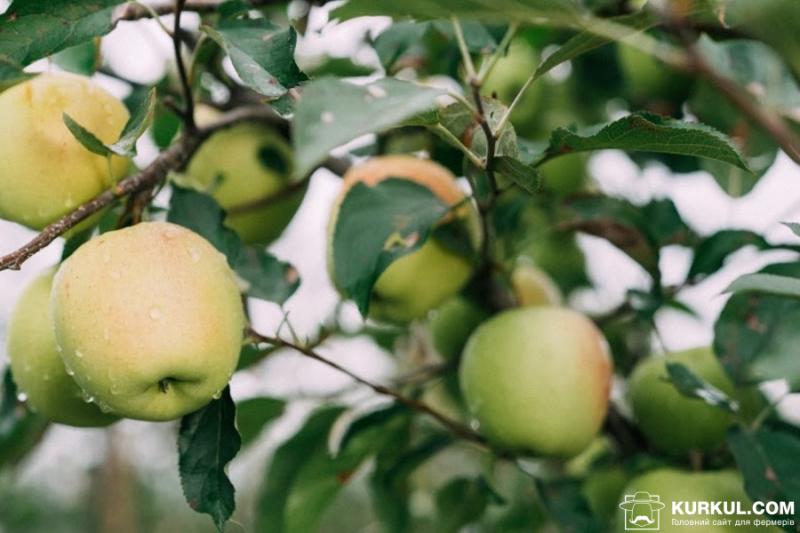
642,511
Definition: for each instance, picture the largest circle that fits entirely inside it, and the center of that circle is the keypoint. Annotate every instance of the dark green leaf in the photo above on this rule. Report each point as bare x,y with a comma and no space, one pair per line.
650,133
377,225
74,242
524,176
565,501
20,429
711,253
81,59
207,442
459,503
767,458
768,284
333,112
756,334
86,137
794,226
268,277
261,53
135,127
11,73
33,30
692,386
340,67
202,214
253,414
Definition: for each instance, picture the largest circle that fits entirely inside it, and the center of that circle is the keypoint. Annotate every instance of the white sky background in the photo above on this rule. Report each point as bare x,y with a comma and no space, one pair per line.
70,452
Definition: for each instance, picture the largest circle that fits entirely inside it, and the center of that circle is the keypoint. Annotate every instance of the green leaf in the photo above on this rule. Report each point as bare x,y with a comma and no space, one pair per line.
33,30
768,284
253,414
767,458
794,226
20,429
268,277
303,478
140,120
81,59
332,112
568,507
459,503
526,177
690,385
207,442
644,131
75,241
375,226
86,137
11,73
261,53
711,253
202,214
756,334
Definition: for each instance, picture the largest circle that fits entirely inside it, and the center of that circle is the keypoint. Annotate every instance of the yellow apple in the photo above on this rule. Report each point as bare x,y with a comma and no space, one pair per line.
242,165
537,380
44,171
420,281
149,319
532,286
37,367
672,422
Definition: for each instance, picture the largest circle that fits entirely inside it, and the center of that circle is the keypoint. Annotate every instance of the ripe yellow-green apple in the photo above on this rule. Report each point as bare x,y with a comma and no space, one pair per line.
674,485
532,286
672,422
452,324
37,367
44,171
242,165
149,319
537,379
422,280
509,76
649,79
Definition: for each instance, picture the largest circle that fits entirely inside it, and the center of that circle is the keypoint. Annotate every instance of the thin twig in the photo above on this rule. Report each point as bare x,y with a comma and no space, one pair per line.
458,429
462,46
188,97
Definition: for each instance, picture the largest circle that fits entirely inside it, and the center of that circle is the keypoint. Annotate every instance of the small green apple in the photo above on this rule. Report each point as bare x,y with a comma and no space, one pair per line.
602,490
420,281
532,286
565,175
37,367
149,319
649,79
241,165
508,77
672,422
453,323
537,379
44,171
673,485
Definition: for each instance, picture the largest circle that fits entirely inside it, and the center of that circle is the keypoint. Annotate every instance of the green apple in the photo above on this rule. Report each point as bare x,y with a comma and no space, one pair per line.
537,380
558,254
420,281
453,323
672,422
37,367
602,490
507,78
532,286
673,485
242,165
565,175
44,171
149,319
649,79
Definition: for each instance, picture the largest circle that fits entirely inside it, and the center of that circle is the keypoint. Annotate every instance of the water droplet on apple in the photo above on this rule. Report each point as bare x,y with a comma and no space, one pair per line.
22,397
69,370
155,313
79,354
88,398
327,117
217,395
194,254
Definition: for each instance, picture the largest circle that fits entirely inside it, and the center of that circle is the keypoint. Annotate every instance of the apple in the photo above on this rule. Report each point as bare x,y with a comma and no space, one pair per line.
650,80
149,319
537,380
672,422
565,175
674,485
532,286
422,280
507,78
241,165
603,489
37,367
44,171
452,324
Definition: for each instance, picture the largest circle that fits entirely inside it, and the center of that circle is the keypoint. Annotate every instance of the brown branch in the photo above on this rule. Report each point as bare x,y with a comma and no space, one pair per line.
456,428
173,158
188,97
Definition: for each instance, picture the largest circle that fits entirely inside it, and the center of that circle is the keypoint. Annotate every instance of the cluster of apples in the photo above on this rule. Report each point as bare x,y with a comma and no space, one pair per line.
144,322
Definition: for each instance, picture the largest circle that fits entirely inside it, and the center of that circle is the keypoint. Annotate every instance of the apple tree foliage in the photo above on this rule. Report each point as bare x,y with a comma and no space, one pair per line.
733,65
